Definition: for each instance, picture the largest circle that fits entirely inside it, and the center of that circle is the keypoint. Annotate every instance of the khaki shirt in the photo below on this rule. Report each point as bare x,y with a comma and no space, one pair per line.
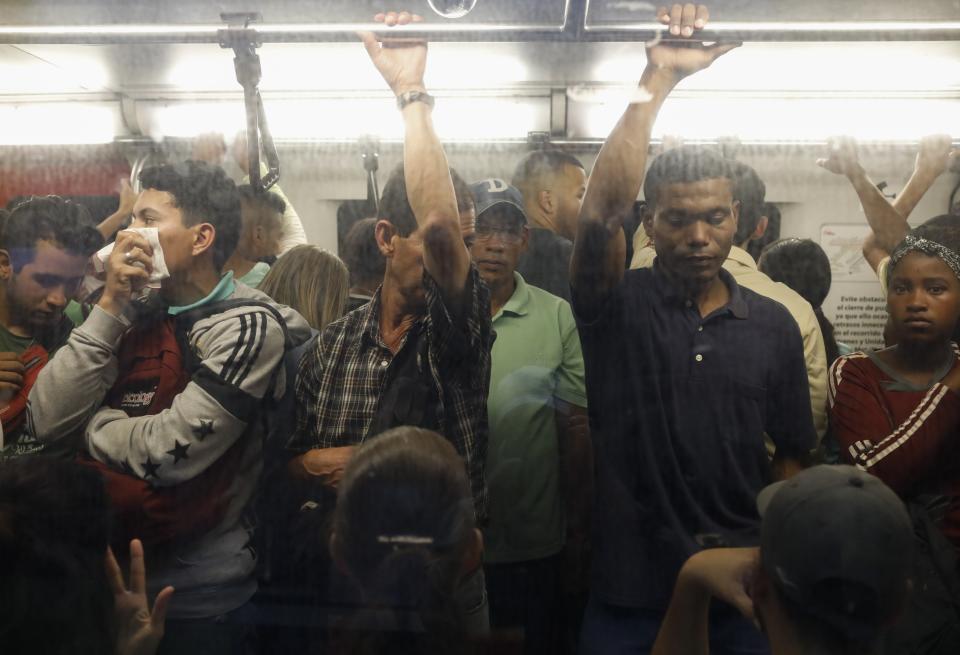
744,270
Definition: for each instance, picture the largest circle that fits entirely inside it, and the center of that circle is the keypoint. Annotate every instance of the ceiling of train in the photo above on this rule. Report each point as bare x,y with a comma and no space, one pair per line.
171,72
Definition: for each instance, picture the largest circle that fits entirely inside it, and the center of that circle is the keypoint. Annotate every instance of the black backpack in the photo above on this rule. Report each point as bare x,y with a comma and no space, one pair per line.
930,623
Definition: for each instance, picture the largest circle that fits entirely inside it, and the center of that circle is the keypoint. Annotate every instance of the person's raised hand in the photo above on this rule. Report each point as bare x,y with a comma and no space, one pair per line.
727,574
935,155
139,628
128,270
400,61
238,150
210,147
11,376
128,197
683,58
842,157
328,464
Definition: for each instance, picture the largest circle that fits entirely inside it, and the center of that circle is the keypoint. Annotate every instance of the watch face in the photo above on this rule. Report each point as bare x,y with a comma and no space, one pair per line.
452,8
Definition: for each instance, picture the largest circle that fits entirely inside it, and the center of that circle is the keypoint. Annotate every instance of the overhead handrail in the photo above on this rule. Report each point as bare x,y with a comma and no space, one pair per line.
244,43
467,32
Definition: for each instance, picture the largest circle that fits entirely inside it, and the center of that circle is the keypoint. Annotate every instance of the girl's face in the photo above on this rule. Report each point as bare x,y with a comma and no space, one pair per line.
923,300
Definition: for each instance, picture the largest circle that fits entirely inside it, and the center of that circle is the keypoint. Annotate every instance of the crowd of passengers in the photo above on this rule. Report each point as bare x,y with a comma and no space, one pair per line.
486,428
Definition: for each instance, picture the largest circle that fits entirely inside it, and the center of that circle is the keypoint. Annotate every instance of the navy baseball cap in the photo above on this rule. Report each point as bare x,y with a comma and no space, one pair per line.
495,192
838,542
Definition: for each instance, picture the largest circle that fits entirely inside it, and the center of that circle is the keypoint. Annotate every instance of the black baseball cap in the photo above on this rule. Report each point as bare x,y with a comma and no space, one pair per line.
494,192
839,543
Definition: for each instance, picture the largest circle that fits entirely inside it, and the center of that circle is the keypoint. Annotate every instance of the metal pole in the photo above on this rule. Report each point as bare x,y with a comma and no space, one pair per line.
305,33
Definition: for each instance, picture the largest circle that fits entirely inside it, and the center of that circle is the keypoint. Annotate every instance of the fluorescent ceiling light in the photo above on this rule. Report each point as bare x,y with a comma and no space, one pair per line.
455,118
58,123
29,70
887,67
769,119
186,120
343,66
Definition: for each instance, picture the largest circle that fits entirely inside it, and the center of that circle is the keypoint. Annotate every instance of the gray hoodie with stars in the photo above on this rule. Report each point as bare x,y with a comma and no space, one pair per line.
239,350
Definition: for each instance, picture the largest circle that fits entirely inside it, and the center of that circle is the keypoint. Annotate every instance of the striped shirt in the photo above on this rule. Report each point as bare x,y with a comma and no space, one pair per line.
904,434
341,381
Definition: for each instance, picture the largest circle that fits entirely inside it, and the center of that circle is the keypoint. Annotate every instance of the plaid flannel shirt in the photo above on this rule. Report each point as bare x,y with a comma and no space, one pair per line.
340,381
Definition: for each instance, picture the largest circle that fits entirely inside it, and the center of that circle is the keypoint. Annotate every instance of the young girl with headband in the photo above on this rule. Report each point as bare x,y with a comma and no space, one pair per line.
896,412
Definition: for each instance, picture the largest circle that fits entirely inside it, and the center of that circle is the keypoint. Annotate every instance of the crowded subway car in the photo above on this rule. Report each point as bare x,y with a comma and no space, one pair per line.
560,326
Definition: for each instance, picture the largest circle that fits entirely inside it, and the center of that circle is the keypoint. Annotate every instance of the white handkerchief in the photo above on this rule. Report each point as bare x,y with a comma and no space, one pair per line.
160,271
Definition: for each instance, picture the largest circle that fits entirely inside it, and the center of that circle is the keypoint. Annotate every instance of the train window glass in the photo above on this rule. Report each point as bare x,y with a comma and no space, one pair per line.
771,314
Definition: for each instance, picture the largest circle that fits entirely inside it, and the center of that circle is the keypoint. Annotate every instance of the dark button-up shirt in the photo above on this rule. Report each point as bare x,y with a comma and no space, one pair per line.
678,406
546,263
340,382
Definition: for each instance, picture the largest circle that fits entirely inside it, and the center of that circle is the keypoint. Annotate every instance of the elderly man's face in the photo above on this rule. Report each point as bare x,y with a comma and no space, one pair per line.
501,239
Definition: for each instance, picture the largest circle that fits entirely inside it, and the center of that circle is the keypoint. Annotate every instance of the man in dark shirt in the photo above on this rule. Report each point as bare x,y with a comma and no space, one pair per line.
552,183
686,371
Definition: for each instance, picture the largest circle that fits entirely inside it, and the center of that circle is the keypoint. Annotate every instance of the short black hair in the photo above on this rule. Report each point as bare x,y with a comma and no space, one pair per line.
266,199
750,191
48,218
943,229
683,165
204,194
803,266
54,533
541,162
395,205
361,254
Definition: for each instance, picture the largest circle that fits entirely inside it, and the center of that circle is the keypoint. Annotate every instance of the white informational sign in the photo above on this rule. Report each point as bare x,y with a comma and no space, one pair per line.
855,305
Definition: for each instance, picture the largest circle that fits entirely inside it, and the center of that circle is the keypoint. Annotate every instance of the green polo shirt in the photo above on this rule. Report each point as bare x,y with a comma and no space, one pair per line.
536,359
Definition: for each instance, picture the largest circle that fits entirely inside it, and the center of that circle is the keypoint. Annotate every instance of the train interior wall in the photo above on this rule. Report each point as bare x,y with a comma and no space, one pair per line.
319,177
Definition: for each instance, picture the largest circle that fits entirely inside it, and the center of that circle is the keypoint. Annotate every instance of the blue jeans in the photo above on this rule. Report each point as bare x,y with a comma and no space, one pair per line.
613,630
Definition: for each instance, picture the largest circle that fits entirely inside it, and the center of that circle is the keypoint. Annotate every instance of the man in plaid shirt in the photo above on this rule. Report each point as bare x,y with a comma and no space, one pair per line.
430,318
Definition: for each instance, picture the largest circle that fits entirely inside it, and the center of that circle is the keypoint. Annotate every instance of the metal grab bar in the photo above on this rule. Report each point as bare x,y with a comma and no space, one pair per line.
304,33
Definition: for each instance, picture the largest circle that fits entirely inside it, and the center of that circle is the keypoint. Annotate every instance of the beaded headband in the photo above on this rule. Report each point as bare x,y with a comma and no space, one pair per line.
927,247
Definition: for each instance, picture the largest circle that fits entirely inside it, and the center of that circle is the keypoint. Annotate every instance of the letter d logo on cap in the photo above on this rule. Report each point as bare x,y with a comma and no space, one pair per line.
496,185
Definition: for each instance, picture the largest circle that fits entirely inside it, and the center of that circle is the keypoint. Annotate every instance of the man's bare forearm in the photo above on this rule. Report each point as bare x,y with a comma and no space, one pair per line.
685,628
888,226
434,203
427,173
916,187
619,170
112,224
599,250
